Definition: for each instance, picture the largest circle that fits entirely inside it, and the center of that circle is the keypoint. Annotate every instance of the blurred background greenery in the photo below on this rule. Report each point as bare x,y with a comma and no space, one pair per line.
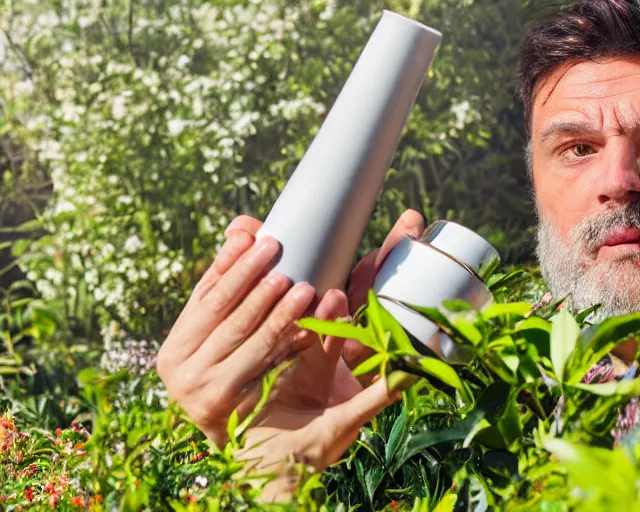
133,131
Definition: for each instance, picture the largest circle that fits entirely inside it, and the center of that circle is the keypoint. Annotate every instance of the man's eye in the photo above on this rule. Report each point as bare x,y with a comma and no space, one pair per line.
581,150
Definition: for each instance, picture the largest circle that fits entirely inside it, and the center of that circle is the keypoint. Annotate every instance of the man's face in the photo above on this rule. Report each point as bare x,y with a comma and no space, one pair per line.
586,155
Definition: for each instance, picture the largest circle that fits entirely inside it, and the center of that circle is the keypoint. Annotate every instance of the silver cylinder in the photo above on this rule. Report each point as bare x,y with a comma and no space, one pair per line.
322,213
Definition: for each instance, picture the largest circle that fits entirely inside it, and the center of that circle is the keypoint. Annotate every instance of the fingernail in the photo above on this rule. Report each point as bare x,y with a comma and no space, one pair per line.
231,226
276,278
400,381
303,292
267,247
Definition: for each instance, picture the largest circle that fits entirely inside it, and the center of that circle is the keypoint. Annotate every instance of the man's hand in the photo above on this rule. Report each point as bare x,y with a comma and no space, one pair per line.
238,324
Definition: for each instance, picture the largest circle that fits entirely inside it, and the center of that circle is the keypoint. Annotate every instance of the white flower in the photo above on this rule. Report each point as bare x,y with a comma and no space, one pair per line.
62,206
176,267
201,481
164,276
46,289
182,61
162,264
461,111
91,277
166,225
23,88
119,107
133,244
99,294
125,199
53,275
108,250
206,225
144,275
176,126
76,262
132,275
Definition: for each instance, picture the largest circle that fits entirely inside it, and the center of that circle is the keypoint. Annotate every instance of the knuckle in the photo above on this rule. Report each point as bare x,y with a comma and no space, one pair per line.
163,364
240,327
273,332
214,408
216,301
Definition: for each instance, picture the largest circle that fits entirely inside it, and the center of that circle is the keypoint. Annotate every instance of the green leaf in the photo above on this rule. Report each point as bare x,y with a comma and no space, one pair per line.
397,435
340,330
457,305
468,330
398,341
232,425
598,340
442,371
370,364
447,503
519,309
438,318
534,322
611,474
509,423
622,388
583,315
564,335
498,281
370,479
374,317
488,406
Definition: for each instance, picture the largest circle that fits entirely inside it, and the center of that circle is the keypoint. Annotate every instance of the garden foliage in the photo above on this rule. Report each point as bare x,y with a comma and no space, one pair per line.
133,131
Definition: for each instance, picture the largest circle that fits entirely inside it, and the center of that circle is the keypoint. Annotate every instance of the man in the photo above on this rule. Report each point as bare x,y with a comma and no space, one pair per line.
580,85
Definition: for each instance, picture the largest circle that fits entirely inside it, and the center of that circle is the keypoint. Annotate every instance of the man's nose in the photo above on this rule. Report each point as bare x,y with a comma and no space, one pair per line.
620,181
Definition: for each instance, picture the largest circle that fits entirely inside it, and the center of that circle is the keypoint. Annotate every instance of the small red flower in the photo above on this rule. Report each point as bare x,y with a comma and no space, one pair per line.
29,493
58,432
53,499
77,501
394,505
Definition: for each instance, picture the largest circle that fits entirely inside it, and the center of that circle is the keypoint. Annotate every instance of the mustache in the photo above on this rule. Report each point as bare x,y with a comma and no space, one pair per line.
592,232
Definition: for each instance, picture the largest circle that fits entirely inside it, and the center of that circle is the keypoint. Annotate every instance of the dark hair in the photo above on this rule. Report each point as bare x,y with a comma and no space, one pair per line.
589,30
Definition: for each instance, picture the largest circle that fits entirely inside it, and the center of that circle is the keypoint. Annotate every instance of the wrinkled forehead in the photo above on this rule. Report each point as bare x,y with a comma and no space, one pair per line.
589,91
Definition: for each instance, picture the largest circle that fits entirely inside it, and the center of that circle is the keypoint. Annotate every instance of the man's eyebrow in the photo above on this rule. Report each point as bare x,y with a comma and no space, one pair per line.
566,127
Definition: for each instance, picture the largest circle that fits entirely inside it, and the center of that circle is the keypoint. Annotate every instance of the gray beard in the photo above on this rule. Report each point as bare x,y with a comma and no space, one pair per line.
571,269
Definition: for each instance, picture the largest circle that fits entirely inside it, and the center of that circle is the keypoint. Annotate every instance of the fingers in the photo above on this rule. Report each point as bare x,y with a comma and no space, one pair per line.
236,245
410,222
243,223
276,339
242,322
217,303
332,306
346,419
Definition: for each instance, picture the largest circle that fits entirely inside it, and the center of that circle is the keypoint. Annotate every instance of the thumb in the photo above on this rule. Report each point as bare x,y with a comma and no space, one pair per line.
345,420
410,222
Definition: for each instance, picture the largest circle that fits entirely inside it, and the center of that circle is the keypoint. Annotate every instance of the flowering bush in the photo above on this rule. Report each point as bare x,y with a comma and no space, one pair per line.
136,130
151,124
